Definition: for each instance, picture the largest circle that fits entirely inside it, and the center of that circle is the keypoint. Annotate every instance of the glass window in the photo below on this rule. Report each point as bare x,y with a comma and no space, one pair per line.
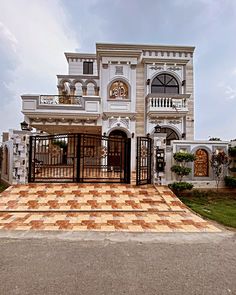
165,83
88,67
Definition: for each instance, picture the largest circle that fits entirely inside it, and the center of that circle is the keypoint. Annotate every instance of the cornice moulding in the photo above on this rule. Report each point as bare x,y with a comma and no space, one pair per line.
118,53
79,55
152,59
77,77
119,46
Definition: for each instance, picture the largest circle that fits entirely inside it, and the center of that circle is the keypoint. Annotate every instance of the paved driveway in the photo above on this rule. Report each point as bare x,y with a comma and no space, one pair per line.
97,207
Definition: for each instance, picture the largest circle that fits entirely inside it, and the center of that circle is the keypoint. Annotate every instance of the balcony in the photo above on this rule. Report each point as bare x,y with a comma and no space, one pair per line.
58,106
167,104
62,113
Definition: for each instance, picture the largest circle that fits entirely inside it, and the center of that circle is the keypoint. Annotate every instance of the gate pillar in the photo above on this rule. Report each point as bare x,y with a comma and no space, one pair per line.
159,145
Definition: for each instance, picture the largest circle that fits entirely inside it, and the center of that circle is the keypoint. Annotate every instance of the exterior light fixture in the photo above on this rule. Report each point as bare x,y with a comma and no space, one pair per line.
157,129
25,126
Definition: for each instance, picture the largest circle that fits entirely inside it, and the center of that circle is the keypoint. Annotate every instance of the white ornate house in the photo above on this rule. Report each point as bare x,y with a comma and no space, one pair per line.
129,91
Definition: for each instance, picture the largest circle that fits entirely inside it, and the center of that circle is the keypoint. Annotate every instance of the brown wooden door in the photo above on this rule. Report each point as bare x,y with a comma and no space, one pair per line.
116,149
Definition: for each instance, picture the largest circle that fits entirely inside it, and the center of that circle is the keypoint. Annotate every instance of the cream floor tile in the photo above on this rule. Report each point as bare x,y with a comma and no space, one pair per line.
79,228
135,228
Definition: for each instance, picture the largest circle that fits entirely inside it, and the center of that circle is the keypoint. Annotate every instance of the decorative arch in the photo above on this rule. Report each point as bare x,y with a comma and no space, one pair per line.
172,133
118,133
110,131
165,82
63,88
91,81
174,74
75,81
119,89
65,80
201,164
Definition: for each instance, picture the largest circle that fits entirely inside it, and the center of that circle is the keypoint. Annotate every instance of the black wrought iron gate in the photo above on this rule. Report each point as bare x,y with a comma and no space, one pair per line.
79,158
144,161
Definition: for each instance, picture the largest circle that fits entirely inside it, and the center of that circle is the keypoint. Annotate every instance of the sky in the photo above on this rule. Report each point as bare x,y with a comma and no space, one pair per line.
34,34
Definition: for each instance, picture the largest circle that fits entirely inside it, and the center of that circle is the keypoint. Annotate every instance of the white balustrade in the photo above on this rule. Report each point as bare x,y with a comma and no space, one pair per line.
166,103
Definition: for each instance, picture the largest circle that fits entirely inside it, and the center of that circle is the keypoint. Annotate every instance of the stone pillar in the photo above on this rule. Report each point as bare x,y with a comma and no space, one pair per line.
96,90
159,143
84,90
72,90
60,89
20,163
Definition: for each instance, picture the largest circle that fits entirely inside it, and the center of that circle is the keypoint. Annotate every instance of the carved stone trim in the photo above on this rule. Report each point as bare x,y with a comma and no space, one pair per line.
174,122
174,68
155,121
157,68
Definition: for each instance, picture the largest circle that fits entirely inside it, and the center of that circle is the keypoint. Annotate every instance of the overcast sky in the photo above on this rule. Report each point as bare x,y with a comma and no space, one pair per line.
34,34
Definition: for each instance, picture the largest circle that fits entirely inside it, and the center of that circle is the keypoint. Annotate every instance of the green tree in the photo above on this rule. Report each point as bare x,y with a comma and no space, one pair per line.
182,160
180,169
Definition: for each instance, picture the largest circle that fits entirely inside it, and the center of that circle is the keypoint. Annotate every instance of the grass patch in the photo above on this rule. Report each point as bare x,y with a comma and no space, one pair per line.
220,206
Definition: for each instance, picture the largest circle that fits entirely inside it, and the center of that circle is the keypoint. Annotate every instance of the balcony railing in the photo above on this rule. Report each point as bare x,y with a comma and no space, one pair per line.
60,105
60,99
167,103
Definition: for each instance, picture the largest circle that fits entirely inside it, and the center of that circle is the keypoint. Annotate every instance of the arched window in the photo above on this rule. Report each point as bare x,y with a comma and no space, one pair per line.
78,89
165,83
170,134
201,164
90,89
118,90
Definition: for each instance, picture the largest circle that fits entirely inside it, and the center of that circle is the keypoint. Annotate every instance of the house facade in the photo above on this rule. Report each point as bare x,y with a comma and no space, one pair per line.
127,91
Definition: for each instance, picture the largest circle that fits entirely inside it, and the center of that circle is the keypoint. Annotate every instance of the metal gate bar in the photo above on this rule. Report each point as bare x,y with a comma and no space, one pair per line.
144,161
79,158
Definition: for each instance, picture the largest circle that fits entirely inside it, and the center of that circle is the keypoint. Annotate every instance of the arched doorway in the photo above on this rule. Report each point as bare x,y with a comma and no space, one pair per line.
116,149
170,134
201,164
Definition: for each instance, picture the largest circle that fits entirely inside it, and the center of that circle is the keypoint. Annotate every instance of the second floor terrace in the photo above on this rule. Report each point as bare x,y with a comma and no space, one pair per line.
69,106
167,104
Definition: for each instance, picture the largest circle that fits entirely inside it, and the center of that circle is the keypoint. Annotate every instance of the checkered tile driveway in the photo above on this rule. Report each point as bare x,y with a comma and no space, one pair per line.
97,207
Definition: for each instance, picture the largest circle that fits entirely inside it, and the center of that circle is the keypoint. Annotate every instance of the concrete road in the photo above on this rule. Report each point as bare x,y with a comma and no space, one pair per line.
96,263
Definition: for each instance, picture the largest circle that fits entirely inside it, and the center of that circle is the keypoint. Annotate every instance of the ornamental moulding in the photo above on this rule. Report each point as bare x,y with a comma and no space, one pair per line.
174,122
106,116
174,68
156,68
